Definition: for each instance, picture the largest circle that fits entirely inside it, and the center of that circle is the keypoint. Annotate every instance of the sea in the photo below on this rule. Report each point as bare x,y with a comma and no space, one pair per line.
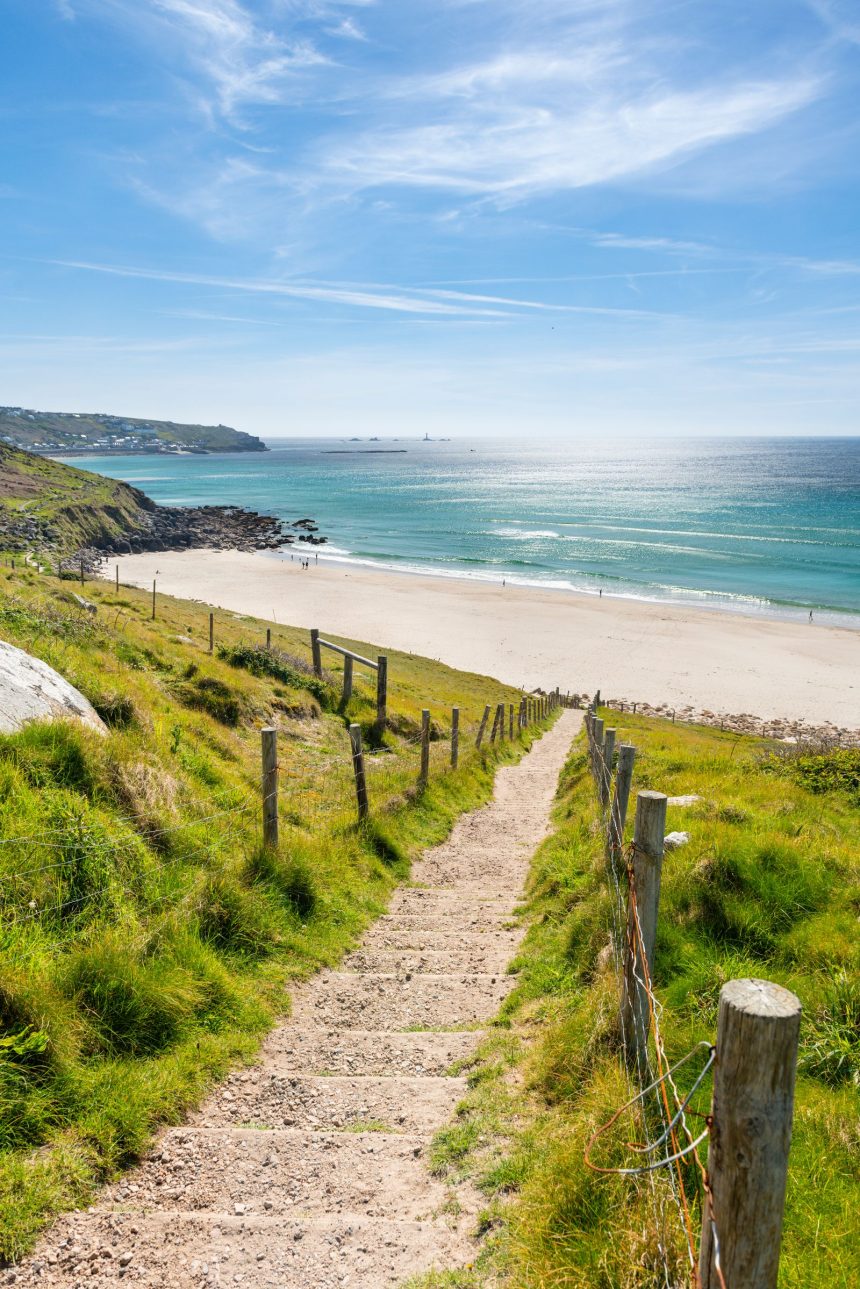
766,526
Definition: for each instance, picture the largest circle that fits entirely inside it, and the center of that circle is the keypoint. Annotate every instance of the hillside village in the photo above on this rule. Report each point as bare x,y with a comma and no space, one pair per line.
101,432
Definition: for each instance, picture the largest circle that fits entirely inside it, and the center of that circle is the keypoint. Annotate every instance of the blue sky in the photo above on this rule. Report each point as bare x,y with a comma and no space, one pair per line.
463,216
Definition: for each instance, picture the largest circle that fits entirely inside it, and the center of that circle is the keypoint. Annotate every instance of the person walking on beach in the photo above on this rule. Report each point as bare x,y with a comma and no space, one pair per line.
810,615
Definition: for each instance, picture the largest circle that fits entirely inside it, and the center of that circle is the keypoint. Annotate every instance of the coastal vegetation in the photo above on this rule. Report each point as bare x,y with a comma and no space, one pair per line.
59,512
147,939
767,886
45,503
99,432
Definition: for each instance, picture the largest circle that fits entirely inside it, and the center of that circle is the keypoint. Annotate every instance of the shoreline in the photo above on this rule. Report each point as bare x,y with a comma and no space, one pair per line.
704,601
633,650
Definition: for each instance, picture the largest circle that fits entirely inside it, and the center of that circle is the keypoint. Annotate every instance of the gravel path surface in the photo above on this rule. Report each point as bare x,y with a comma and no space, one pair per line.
308,1171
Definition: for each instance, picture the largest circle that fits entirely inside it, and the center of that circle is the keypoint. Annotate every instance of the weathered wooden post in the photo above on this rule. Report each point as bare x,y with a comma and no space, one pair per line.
753,1102
211,632
597,700
316,652
606,775
347,679
597,750
510,720
455,737
381,692
268,637
117,579
500,714
270,786
522,713
495,727
483,725
620,798
643,902
358,770
424,772
82,572
153,599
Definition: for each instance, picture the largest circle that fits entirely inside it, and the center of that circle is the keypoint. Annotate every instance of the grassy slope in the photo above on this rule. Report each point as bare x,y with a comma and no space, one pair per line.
61,428
768,886
79,507
178,940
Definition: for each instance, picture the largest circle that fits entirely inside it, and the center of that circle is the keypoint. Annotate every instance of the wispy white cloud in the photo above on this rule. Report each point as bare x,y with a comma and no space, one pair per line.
346,295
526,144
432,301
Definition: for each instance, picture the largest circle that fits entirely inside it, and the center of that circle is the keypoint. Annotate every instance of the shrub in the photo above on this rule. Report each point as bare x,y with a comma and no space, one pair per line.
116,710
213,696
278,665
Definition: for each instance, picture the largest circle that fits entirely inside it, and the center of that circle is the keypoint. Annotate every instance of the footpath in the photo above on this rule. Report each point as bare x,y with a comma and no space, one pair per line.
309,1170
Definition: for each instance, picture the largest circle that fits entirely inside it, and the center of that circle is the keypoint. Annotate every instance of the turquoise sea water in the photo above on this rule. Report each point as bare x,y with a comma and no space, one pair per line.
766,526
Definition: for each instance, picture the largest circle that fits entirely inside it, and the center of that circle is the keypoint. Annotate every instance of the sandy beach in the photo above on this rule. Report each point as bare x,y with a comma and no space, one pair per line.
632,650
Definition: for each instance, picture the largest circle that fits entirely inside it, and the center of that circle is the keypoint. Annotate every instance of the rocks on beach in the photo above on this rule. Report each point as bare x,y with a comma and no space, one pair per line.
784,730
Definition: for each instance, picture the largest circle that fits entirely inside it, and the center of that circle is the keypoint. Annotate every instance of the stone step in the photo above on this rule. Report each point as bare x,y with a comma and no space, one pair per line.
291,1173
392,1003
356,1051
503,942
417,899
409,962
199,1251
278,1099
454,920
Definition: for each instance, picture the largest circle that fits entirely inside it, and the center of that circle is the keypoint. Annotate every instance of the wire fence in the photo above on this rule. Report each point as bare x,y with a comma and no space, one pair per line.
93,861
666,1128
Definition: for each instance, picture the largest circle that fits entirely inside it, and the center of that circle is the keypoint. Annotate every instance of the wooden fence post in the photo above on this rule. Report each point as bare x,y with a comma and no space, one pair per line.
620,798
358,769
117,579
455,737
347,680
270,786
597,700
522,713
510,720
211,632
381,692
500,712
597,750
483,725
643,902
82,572
316,652
424,773
268,637
606,775
753,1102
153,599
495,727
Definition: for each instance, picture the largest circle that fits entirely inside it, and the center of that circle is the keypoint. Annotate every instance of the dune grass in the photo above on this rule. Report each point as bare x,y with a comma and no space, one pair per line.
147,941
768,886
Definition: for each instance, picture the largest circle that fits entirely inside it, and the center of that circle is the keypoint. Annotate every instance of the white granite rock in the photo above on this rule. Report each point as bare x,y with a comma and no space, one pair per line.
30,690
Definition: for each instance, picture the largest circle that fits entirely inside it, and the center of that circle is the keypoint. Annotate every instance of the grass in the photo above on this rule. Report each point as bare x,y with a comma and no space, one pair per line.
45,504
147,941
768,886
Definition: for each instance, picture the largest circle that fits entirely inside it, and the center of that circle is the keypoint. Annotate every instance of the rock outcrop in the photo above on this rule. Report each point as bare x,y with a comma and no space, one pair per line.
30,690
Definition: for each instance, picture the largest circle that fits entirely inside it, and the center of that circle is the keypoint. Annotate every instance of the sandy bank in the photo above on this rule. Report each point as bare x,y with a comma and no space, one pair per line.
524,636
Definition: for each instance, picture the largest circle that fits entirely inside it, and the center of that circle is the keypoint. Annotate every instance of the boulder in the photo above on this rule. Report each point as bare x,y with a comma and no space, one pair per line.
30,690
